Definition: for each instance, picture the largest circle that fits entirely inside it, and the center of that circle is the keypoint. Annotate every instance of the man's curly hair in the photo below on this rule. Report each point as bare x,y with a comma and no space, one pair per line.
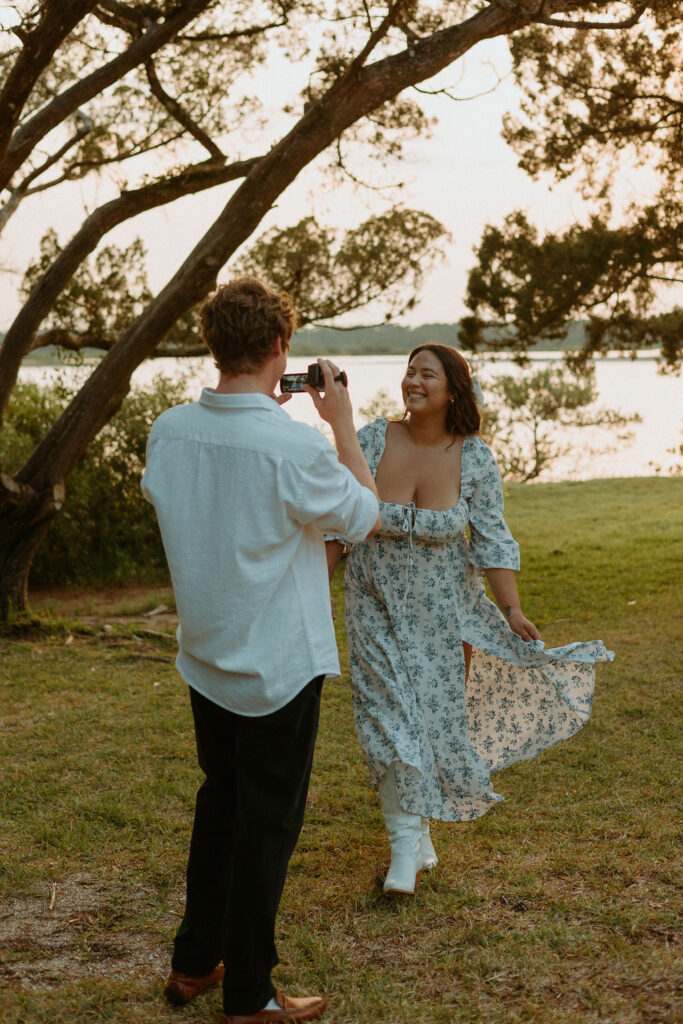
241,321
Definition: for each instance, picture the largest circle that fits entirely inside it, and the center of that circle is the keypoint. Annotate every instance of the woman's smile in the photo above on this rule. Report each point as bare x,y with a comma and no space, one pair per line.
425,382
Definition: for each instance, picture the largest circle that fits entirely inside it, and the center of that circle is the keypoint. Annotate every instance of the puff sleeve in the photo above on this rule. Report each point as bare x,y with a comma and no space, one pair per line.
492,546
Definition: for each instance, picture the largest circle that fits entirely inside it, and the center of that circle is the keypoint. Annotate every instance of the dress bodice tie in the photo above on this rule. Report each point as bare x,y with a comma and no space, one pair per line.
409,517
408,526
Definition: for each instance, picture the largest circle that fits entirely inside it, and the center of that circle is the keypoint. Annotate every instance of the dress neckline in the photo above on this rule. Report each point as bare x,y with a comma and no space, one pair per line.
418,508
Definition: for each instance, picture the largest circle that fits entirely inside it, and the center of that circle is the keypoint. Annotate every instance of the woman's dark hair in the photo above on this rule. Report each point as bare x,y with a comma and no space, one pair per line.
463,416
241,321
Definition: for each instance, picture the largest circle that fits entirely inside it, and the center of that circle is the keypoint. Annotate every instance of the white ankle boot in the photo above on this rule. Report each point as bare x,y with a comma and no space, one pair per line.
428,857
405,832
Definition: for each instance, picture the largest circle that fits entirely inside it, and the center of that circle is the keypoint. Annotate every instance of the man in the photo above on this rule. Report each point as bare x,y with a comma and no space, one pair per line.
242,494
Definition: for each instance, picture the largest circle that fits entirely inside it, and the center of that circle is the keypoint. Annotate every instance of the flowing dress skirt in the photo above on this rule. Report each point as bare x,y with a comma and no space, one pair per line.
412,598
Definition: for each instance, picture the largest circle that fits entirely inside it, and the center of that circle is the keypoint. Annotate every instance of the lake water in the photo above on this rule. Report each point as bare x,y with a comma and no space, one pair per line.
631,386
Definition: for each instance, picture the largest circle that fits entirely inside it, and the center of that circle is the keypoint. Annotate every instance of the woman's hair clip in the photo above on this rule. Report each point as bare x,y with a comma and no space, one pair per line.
476,390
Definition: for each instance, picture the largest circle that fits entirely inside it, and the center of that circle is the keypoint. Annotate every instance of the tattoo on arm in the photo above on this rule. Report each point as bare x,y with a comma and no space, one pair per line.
507,610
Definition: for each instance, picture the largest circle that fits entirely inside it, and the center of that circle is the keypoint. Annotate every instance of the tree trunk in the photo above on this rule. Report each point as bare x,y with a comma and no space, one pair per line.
25,515
15,565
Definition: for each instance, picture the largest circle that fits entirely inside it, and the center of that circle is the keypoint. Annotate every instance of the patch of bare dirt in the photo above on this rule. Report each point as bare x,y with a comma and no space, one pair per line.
69,933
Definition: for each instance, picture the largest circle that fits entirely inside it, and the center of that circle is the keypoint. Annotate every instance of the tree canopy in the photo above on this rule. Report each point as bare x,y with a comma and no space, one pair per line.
598,107
163,95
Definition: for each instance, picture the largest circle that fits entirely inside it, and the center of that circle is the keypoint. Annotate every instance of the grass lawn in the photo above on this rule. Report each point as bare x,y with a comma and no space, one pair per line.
560,905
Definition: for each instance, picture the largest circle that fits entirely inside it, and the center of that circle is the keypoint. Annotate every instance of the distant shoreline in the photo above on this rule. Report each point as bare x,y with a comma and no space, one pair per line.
50,358
382,340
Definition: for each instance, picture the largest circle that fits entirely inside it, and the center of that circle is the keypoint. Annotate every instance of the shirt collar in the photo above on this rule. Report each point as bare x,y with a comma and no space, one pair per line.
244,400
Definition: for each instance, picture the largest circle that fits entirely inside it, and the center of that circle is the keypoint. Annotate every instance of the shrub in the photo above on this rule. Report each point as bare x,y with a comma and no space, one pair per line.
527,412
106,533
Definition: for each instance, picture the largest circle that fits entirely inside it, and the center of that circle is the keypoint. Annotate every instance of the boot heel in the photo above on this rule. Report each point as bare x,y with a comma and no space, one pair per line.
402,892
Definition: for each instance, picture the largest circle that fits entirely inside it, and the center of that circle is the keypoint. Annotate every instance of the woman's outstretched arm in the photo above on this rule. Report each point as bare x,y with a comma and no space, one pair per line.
504,587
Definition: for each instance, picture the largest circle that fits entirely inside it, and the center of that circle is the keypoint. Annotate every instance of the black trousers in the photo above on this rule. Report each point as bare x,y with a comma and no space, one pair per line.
248,816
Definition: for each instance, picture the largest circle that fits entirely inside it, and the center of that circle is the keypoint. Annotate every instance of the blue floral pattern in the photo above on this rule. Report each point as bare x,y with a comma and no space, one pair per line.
414,594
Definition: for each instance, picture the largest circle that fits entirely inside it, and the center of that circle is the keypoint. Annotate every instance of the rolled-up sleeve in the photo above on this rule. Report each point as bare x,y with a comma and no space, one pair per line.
492,546
329,495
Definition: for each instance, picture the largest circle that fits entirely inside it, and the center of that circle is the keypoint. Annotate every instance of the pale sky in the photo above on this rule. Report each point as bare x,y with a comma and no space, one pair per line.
464,175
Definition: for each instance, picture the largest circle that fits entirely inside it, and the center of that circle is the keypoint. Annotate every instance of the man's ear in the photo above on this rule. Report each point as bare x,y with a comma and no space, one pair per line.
278,347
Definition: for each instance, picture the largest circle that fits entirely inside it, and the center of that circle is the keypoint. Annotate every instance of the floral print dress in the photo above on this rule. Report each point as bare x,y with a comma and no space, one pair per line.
414,593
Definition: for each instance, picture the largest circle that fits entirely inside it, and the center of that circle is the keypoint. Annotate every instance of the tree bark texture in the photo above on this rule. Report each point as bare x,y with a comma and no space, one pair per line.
25,516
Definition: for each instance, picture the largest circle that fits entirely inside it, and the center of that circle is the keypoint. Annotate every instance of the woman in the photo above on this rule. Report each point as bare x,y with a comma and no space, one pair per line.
420,625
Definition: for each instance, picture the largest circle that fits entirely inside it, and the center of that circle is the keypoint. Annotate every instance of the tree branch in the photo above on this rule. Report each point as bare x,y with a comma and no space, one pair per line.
20,334
238,33
341,164
62,106
539,18
132,21
368,18
24,189
75,341
121,16
72,341
181,116
375,38
16,498
306,321
464,99
40,43
138,149
665,280
84,165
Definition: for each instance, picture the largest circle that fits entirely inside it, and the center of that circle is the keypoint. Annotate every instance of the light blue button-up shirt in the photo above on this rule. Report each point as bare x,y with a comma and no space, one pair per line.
242,494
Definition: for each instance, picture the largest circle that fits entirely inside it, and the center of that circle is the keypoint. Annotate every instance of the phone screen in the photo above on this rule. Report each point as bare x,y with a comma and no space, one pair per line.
292,382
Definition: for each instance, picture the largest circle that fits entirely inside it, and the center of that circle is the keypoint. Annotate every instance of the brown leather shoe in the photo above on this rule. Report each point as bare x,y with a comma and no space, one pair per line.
181,988
307,1008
